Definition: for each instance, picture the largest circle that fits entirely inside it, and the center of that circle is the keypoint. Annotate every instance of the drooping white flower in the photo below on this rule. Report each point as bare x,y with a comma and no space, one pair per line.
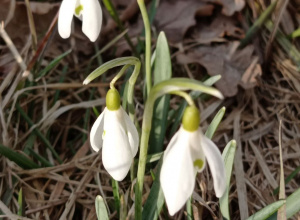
115,133
186,155
89,11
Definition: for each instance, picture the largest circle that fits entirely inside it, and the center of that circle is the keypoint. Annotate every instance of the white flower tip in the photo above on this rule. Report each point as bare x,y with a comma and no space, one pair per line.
91,19
172,211
118,175
93,37
95,148
63,33
220,191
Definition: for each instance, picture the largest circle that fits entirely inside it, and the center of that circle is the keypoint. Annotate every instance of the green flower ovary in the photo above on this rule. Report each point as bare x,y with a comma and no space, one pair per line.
191,119
113,100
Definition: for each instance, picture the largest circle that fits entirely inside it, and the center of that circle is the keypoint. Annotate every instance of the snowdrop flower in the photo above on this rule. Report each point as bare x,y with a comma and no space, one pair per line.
186,155
116,134
89,11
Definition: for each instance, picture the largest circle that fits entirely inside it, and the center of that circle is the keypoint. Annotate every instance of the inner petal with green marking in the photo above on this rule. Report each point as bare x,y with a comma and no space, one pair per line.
199,163
78,9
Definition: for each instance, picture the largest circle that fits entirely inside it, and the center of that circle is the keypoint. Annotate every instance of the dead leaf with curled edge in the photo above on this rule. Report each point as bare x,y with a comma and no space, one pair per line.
176,17
222,59
232,6
217,31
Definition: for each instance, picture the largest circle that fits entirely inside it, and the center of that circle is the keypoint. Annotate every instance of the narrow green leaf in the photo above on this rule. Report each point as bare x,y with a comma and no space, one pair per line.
114,14
162,71
101,209
115,187
292,205
21,203
296,33
228,157
61,80
267,211
258,24
189,209
108,65
38,133
18,158
288,179
286,44
38,157
53,63
215,123
155,199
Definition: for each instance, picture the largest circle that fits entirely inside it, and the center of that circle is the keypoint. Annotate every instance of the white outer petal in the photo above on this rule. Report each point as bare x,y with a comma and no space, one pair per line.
132,133
97,132
65,17
196,148
177,173
91,18
216,164
116,152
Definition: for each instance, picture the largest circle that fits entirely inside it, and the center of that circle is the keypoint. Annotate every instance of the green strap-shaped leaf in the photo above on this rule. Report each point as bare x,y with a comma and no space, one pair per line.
53,63
155,199
228,157
162,71
292,205
215,123
21,210
267,211
101,209
18,158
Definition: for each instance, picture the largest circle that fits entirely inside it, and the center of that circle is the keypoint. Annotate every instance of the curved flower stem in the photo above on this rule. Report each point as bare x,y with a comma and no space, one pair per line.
118,76
184,95
148,45
167,86
132,81
108,65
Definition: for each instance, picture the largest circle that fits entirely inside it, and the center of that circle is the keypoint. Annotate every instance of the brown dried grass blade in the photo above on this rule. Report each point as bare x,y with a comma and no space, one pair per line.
281,215
239,170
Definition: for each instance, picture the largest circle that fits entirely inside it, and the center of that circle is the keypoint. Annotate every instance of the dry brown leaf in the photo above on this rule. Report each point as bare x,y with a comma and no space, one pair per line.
248,80
224,60
220,27
176,17
231,6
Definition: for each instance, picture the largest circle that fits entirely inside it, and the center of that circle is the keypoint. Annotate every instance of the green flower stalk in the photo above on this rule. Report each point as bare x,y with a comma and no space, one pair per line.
148,45
164,87
114,131
187,153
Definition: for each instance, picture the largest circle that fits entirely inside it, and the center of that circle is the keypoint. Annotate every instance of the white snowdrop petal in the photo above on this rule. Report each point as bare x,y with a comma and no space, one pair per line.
177,174
65,17
197,151
116,151
97,132
216,164
91,18
132,133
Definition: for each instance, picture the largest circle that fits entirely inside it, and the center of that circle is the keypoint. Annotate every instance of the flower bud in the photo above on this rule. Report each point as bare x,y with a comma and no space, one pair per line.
113,100
191,119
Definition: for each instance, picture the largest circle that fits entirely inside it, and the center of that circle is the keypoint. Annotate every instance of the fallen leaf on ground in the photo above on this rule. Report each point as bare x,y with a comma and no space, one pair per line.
216,31
231,6
222,59
176,17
